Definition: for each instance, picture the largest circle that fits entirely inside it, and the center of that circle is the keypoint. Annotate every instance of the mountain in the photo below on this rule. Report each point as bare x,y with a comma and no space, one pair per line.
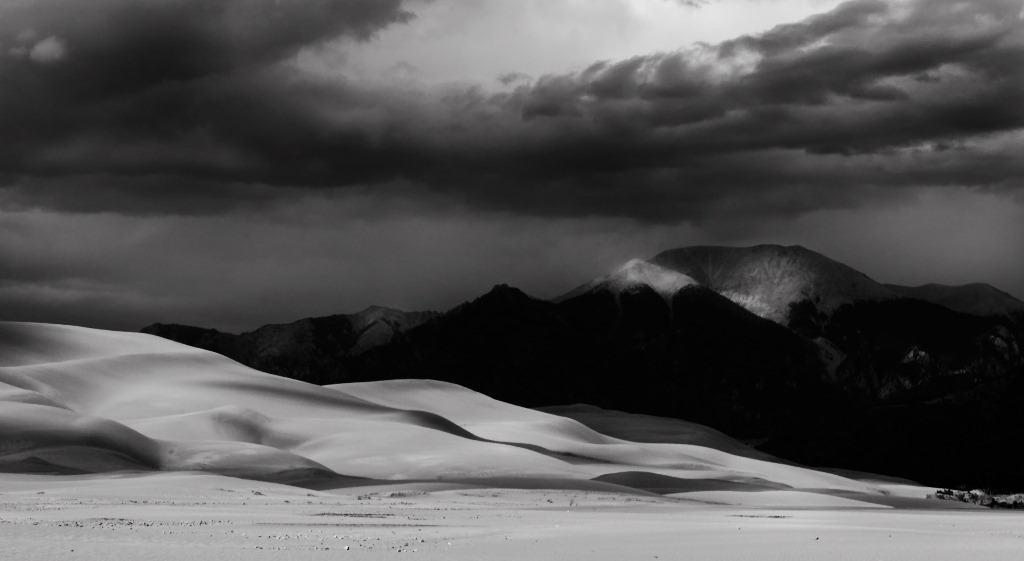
772,281
641,339
978,299
879,342
787,283
693,354
312,350
636,275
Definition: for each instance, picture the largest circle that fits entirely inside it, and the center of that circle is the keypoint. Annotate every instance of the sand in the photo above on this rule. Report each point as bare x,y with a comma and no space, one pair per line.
127,446
201,516
78,400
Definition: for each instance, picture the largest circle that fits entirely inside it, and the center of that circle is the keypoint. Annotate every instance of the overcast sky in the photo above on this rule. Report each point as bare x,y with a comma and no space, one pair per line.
230,163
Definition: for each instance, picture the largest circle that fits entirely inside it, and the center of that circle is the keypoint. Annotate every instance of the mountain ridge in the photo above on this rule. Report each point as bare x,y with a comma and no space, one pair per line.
323,342
769,279
978,298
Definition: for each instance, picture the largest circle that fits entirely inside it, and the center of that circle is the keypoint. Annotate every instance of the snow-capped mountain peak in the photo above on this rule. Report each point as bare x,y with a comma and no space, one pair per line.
635,274
643,273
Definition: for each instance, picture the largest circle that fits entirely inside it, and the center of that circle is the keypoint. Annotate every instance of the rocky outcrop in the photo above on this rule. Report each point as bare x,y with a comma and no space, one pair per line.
981,498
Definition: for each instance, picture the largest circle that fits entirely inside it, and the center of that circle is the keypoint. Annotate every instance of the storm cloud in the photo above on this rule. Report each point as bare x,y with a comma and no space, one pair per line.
203,98
171,109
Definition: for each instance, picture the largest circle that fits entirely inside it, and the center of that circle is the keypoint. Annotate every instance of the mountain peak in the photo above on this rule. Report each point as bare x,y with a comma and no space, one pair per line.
378,310
503,294
506,291
768,279
637,273
380,313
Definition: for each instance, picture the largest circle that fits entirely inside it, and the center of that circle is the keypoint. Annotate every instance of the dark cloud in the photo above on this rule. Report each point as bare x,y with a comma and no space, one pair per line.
175,160
200,97
125,45
816,114
510,78
184,89
141,194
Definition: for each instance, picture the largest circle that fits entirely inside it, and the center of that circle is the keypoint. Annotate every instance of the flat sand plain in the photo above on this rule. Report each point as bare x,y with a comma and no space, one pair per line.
202,516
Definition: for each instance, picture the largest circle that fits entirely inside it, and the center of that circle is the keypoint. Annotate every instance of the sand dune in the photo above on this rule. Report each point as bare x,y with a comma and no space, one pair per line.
481,415
504,422
24,344
76,400
66,438
647,428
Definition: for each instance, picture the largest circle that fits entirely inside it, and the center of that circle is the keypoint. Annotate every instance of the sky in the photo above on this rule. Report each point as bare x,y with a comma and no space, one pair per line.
231,163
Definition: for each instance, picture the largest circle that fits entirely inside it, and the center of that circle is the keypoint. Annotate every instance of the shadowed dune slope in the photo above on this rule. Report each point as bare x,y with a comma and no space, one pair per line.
76,400
648,428
666,485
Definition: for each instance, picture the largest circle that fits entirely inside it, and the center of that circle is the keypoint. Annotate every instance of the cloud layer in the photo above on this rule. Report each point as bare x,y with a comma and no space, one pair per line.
170,109
203,98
